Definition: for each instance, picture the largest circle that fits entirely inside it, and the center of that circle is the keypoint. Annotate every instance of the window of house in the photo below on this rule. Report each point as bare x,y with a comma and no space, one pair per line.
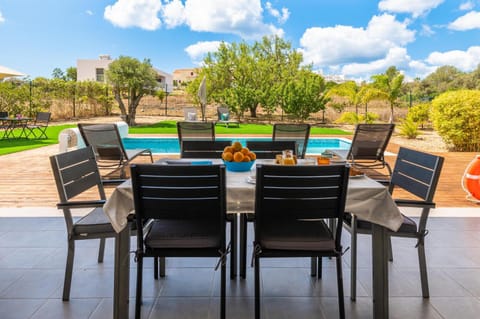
100,74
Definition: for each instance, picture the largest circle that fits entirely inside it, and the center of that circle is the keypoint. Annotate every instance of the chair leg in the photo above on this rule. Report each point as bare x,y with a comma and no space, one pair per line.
257,287
341,301
243,246
353,259
319,268
313,266
155,268
138,297
68,270
423,271
233,247
390,249
223,290
101,250
162,267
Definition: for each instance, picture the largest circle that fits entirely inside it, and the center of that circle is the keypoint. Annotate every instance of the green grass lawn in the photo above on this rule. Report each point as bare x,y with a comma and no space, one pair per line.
8,146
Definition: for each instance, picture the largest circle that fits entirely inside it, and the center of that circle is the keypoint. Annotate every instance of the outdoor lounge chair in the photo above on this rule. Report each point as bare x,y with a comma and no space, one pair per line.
187,204
296,132
190,114
368,146
108,147
225,118
76,172
415,173
39,126
291,203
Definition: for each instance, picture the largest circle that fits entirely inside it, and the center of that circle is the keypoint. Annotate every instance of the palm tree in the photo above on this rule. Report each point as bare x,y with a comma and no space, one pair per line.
390,83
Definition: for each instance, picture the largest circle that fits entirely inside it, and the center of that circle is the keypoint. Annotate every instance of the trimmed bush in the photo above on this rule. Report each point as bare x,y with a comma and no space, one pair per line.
456,118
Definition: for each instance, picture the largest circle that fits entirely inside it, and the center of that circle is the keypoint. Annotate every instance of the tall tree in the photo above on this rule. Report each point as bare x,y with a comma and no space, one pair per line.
390,83
131,80
71,74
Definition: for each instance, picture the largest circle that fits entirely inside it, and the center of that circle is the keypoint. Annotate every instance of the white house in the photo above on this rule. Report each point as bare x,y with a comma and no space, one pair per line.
95,70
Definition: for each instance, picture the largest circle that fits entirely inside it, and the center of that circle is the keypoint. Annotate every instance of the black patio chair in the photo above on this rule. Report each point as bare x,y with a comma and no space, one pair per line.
297,132
223,114
203,149
269,149
188,207
3,123
75,173
291,206
39,125
415,173
108,147
368,146
203,131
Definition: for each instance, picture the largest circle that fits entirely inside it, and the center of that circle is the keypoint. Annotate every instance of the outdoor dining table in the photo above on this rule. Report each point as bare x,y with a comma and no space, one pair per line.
13,123
366,198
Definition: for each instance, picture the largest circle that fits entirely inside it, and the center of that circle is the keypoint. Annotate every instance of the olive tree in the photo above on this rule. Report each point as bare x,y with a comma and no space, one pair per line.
131,80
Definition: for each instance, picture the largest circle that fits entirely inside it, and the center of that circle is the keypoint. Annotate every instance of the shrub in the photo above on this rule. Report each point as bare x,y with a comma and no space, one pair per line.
409,128
456,117
419,113
353,118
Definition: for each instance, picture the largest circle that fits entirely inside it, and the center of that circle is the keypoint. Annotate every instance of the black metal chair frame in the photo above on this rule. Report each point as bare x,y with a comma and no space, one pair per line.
417,173
203,149
76,172
269,149
40,125
108,147
203,131
299,132
291,205
188,207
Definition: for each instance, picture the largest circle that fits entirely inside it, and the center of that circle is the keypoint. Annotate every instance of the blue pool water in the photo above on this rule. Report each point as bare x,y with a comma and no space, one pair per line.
171,145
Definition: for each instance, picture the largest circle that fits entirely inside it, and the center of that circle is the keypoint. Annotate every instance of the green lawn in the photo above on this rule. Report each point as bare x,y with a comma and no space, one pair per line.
165,127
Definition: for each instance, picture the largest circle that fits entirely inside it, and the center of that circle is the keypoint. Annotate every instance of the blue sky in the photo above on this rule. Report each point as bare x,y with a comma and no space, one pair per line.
352,38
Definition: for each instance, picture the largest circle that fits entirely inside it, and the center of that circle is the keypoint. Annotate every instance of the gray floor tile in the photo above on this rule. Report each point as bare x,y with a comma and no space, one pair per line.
34,284
453,308
19,308
73,309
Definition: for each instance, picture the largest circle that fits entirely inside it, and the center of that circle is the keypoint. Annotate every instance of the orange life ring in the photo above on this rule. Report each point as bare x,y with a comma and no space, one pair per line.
471,180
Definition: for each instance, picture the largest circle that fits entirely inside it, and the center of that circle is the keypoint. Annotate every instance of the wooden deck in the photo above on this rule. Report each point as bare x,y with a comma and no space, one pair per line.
27,181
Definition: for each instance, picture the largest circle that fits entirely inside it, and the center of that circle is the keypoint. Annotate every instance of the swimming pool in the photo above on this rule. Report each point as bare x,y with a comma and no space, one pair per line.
169,145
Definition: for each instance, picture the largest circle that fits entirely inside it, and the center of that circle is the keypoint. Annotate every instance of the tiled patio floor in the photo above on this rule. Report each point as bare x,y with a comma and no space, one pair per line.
33,252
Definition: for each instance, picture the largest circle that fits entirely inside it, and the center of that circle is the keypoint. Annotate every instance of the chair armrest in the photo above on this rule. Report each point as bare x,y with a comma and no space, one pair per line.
414,203
82,204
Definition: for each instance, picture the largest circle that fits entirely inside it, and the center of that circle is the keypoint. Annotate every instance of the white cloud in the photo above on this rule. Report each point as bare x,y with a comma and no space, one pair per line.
134,13
281,17
468,21
395,56
198,50
466,6
2,19
416,8
463,60
89,12
427,30
173,14
345,44
241,17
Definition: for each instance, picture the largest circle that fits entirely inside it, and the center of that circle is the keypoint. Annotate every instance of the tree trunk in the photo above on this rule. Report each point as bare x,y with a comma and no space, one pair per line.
253,111
391,113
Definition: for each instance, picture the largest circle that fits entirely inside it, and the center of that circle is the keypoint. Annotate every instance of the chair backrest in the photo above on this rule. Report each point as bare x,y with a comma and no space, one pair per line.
370,141
203,149
76,172
3,114
223,113
195,131
43,118
297,132
190,113
105,140
417,173
300,192
179,192
269,149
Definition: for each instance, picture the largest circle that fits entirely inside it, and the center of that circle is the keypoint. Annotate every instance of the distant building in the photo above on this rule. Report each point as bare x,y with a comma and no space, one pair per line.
95,70
184,75
337,78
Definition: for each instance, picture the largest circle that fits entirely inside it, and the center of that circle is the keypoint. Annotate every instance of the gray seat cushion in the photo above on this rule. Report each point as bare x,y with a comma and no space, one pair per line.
184,233
307,235
95,222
